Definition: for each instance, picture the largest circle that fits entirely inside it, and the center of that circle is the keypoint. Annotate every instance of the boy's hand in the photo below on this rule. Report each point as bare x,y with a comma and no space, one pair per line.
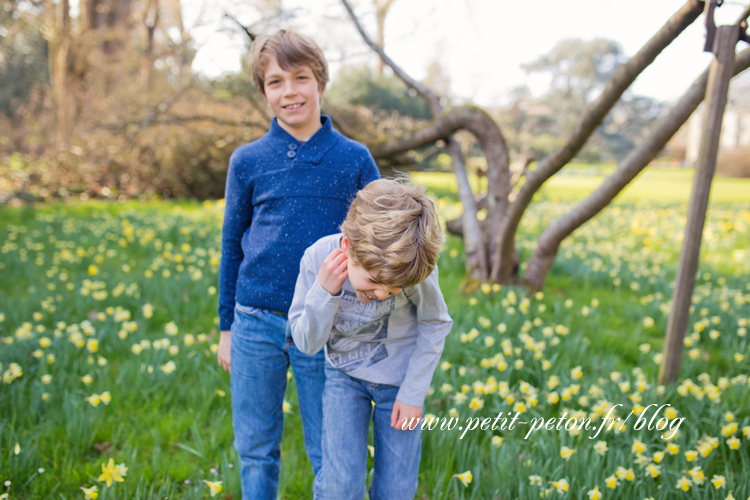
333,272
402,415
225,350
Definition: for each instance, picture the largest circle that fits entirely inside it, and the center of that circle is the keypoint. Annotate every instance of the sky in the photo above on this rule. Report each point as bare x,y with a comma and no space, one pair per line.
481,44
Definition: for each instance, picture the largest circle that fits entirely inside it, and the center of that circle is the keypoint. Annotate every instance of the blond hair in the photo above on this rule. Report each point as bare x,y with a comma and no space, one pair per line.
394,232
291,50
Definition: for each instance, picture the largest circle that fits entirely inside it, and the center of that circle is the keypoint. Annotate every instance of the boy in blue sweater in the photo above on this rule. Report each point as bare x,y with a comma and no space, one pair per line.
284,191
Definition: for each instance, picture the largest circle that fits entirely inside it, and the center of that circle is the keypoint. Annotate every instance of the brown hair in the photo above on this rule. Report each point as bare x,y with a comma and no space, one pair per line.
291,50
394,232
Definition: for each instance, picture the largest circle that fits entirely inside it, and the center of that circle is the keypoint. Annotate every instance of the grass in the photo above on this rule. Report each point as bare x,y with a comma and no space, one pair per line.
126,294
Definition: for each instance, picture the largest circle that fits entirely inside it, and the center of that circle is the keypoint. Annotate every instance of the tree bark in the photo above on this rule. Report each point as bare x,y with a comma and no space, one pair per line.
503,260
60,76
544,255
720,74
381,12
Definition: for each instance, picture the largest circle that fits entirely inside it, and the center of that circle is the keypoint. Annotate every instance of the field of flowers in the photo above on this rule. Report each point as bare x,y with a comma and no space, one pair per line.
110,386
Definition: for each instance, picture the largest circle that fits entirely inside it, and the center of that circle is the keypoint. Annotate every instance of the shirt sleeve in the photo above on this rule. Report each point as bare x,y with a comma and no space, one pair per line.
368,172
238,213
313,309
434,325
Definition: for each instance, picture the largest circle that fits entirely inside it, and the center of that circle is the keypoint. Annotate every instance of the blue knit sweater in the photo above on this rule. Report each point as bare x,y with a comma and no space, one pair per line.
282,195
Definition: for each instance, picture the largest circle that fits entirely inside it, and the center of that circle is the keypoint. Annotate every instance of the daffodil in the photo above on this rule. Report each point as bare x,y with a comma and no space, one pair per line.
683,484
718,481
595,494
638,447
110,473
17,449
121,469
653,470
214,487
566,453
94,399
561,486
464,477
91,493
626,474
611,482
601,447
733,443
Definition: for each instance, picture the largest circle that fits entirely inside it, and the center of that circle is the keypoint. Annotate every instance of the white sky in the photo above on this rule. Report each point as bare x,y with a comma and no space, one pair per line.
480,43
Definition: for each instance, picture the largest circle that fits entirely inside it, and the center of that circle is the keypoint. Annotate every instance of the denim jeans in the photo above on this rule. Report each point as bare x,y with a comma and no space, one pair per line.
261,354
347,411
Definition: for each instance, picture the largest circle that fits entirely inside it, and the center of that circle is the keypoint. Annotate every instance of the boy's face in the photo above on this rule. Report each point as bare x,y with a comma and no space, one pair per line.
365,284
294,99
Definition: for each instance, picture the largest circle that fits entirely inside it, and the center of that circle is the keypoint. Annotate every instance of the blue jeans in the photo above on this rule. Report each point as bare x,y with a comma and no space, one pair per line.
261,354
347,411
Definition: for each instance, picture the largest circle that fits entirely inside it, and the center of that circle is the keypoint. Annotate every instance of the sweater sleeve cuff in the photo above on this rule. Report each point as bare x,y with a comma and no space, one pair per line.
411,395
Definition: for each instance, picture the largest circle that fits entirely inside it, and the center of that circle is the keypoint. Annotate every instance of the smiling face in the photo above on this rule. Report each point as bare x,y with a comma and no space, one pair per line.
364,282
294,98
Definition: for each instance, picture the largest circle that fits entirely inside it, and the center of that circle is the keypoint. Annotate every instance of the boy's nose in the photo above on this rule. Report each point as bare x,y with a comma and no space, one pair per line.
289,88
384,292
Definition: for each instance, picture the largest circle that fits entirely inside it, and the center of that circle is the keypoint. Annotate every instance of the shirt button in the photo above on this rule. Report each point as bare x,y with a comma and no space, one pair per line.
291,154
292,146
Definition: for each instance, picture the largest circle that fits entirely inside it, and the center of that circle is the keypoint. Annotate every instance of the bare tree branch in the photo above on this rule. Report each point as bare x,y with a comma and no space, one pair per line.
632,165
252,36
593,116
477,266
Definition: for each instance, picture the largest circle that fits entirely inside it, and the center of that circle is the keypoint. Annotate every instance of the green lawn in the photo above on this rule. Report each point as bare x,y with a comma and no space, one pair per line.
108,326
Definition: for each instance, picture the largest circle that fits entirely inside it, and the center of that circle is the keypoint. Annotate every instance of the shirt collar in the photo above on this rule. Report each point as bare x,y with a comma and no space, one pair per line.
311,151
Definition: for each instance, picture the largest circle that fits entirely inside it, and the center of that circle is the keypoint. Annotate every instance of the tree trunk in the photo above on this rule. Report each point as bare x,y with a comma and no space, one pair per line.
502,265
150,22
60,76
544,255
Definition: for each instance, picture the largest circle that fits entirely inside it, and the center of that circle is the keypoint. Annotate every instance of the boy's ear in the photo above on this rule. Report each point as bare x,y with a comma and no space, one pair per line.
345,245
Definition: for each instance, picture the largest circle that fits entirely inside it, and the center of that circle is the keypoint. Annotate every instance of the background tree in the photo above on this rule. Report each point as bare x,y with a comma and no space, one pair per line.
503,217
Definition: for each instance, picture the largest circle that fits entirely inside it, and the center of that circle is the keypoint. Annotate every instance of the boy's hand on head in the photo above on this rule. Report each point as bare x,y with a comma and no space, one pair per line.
333,272
402,415
225,350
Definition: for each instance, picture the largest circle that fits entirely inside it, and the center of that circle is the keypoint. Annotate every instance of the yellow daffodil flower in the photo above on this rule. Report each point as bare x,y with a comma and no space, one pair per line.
601,447
595,494
683,484
110,473
561,486
91,493
465,477
653,470
214,487
566,453
611,482
718,481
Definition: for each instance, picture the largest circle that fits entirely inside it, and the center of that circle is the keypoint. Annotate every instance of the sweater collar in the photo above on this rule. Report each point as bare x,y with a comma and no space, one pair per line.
311,151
